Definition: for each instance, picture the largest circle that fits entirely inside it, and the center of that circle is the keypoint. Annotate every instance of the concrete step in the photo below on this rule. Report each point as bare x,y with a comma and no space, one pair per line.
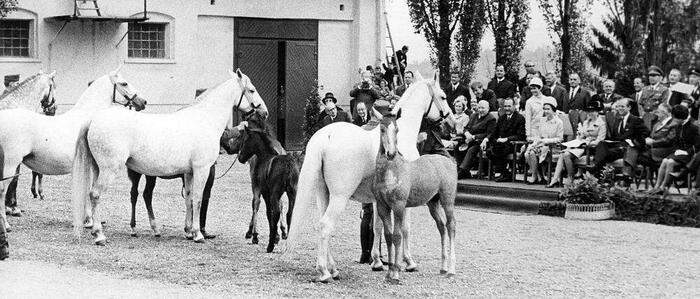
507,197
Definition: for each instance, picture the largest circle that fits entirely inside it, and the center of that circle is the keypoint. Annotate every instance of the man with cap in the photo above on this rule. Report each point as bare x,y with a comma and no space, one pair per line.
533,106
652,95
329,97
694,79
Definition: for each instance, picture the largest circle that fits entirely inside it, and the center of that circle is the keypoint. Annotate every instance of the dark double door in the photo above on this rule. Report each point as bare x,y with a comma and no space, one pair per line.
280,57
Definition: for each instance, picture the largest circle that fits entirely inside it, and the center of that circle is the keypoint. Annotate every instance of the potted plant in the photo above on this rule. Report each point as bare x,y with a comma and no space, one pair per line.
588,199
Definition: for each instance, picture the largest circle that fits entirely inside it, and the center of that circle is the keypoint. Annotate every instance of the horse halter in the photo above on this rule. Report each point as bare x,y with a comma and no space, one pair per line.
443,115
238,106
129,101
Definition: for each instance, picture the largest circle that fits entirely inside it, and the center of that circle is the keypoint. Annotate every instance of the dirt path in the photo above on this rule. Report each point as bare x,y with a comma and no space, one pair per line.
29,279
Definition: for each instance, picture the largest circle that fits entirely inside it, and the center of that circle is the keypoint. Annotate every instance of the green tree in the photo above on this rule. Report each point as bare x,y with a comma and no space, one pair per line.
567,21
437,20
6,6
508,20
468,38
311,113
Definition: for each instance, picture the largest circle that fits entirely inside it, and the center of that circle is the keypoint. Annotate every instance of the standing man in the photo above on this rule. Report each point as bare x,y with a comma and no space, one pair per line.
578,99
402,59
675,97
638,84
523,83
653,95
509,127
487,95
456,89
557,91
608,96
408,81
694,79
333,115
364,92
501,86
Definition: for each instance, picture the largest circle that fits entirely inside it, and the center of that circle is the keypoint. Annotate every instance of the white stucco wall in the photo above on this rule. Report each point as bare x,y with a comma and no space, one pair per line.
201,44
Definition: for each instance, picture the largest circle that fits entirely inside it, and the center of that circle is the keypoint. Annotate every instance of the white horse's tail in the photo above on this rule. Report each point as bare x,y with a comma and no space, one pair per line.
308,186
84,172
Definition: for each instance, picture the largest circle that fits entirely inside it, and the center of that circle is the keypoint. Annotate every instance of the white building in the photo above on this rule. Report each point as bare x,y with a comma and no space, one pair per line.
185,45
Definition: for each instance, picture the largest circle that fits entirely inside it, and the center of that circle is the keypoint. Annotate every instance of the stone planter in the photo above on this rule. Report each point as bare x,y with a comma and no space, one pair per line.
600,211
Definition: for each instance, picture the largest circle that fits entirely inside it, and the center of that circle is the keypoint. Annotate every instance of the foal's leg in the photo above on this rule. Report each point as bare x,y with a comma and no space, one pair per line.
40,185
449,207
434,207
411,265
377,224
33,187
384,213
253,227
399,209
148,200
272,203
135,178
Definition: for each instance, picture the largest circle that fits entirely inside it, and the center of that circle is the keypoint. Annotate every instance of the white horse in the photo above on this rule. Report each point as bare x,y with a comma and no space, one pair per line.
184,142
47,144
340,162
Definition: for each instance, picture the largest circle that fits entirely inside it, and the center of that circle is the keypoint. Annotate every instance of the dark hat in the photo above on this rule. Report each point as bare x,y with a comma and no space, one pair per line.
329,96
9,79
594,105
655,69
694,71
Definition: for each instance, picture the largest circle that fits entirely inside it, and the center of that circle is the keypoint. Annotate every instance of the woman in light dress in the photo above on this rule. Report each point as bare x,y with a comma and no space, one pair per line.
549,130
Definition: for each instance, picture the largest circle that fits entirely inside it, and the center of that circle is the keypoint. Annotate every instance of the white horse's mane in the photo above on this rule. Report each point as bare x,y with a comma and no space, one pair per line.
18,96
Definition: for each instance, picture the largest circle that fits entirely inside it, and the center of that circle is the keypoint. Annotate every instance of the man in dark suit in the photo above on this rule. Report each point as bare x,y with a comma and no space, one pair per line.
627,131
694,79
334,115
408,80
578,99
556,90
481,124
524,82
456,89
487,95
500,85
510,127
362,117
608,96
638,84
402,59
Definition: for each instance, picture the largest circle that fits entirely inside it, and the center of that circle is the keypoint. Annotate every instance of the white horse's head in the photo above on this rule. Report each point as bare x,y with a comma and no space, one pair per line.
428,96
253,101
24,94
129,95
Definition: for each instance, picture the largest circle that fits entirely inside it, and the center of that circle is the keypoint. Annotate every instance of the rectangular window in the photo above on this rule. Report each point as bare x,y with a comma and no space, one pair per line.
147,40
15,38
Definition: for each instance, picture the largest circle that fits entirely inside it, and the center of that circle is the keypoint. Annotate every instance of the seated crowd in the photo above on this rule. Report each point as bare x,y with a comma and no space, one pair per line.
537,121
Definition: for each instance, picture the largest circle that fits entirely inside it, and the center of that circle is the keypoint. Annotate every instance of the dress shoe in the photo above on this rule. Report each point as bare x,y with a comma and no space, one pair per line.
505,178
555,184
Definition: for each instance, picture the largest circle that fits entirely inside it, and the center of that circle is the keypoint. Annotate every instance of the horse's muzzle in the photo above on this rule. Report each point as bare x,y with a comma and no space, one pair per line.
139,103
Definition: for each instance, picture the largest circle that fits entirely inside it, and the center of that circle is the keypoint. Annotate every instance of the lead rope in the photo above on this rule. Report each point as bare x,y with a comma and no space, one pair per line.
229,168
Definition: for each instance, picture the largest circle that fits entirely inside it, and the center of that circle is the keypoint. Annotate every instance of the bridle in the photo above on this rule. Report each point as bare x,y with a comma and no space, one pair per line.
443,115
129,101
238,106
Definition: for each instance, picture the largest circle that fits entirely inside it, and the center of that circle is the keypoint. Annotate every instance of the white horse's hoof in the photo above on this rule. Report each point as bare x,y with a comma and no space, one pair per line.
88,223
16,212
335,274
199,238
101,240
323,279
412,268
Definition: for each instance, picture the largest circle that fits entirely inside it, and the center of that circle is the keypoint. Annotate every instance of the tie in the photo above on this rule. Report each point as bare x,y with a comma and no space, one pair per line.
622,125
607,98
571,96
639,95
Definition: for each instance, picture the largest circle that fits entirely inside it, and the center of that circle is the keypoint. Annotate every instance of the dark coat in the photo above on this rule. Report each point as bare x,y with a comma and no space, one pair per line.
634,130
366,95
400,90
504,89
651,98
359,122
513,129
688,137
452,94
341,117
606,99
665,139
481,127
558,92
489,96
579,101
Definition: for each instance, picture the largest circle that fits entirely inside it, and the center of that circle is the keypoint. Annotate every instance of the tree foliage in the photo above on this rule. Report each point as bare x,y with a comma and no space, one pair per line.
7,6
508,20
567,24
311,113
437,20
468,37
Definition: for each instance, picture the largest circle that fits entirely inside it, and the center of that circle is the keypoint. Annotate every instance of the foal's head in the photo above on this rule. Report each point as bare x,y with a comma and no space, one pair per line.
388,132
256,139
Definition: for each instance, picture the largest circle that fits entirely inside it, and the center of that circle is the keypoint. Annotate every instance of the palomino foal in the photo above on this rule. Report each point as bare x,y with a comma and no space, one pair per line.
398,184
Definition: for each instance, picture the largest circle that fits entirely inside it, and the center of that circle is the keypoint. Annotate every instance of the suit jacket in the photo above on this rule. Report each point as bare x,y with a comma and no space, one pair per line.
688,137
634,104
489,96
503,89
634,130
481,127
452,94
400,90
606,100
342,116
513,129
651,98
578,101
665,139
359,122
558,92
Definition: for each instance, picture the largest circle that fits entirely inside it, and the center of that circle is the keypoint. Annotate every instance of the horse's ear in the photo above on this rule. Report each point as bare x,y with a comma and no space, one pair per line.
53,74
398,114
238,72
436,77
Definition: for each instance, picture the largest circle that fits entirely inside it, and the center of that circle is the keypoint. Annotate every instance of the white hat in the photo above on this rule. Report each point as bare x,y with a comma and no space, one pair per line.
536,81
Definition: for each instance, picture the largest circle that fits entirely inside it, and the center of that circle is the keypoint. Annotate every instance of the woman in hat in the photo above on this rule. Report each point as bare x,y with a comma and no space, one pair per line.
590,133
548,131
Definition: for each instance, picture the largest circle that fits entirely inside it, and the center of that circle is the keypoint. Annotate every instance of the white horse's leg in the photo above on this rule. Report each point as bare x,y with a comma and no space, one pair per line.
199,179
187,185
3,217
105,177
377,224
336,205
411,265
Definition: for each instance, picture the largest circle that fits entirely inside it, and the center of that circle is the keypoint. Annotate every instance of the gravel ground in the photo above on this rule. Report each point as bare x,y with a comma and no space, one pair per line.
498,254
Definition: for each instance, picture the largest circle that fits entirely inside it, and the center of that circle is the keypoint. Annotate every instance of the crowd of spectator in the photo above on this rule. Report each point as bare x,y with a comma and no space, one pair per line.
538,119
